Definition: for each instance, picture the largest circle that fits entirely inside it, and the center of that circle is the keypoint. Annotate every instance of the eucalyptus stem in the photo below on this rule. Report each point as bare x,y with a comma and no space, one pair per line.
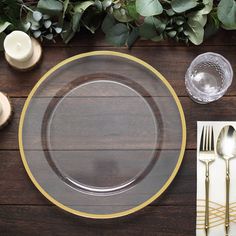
27,8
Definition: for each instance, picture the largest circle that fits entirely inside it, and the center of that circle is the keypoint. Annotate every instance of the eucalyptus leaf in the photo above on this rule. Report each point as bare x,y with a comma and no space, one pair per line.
108,23
37,34
160,24
76,21
131,8
195,32
58,30
149,7
51,7
186,32
117,6
4,25
157,38
172,34
227,13
10,12
34,26
198,17
118,34
107,3
208,6
212,26
122,11
98,5
37,15
169,12
169,28
79,9
67,32
201,15
47,24
82,6
179,22
65,6
121,17
151,27
133,36
180,6
2,37
91,20
180,29
49,36
46,17
110,10
26,26
147,31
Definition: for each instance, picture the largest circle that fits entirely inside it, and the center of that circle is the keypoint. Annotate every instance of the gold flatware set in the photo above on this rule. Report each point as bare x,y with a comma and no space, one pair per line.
225,149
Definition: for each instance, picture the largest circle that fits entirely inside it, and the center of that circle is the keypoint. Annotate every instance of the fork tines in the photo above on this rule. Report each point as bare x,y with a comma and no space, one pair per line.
207,139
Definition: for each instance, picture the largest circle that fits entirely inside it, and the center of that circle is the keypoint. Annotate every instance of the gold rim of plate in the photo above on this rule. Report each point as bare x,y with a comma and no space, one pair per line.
151,199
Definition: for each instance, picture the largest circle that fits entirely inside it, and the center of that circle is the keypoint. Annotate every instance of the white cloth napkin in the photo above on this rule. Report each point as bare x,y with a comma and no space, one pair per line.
217,189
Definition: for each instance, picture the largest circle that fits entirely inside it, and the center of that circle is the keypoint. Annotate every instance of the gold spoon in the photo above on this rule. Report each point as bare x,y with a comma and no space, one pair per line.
226,149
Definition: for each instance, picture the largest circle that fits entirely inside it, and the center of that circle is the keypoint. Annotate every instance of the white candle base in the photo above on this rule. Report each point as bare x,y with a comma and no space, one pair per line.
29,64
6,110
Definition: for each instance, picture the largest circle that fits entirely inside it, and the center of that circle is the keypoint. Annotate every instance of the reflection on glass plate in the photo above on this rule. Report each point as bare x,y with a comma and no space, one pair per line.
102,134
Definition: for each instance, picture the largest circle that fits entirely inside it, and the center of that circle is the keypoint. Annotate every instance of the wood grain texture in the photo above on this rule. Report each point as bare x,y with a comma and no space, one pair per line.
24,211
49,220
172,62
178,194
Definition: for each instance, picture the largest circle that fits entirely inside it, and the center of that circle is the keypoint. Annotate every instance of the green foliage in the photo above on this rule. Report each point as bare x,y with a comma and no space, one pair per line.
149,7
227,14
10,12
151,28
4,25
50,7
119,34
122,21
42,25
197,21
181,6
212,25
2,37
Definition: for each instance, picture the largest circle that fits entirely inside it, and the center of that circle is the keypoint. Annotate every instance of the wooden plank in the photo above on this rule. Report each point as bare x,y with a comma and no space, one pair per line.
48,220
18,189
172,62
24,211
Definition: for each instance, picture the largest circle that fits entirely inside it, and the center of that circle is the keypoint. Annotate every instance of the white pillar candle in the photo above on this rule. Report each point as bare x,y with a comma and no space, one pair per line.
18,46
0,108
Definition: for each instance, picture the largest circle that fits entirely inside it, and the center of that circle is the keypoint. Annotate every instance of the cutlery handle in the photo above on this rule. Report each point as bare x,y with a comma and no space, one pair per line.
227,198
207,183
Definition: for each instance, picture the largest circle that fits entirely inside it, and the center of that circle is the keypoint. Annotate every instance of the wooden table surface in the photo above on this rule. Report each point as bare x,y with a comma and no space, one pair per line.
23,209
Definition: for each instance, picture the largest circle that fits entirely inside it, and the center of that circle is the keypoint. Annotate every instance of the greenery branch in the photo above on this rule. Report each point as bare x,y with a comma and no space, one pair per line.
122,21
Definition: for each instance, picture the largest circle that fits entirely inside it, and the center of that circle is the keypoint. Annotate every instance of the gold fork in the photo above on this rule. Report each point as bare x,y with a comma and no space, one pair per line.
207,156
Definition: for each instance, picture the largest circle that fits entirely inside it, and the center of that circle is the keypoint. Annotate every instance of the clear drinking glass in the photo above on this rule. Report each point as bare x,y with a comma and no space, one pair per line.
208,77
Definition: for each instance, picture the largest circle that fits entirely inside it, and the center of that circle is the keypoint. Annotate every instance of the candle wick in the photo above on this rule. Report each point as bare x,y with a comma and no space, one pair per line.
18,45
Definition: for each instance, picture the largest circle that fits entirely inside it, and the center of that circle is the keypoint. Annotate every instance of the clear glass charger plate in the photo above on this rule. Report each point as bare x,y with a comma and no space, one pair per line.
102,134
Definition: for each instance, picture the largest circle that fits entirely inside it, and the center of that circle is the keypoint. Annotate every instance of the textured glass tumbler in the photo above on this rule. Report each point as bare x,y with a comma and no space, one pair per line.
208,77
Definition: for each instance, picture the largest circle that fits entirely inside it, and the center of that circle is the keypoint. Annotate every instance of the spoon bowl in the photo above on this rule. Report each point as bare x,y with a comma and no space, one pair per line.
226,143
